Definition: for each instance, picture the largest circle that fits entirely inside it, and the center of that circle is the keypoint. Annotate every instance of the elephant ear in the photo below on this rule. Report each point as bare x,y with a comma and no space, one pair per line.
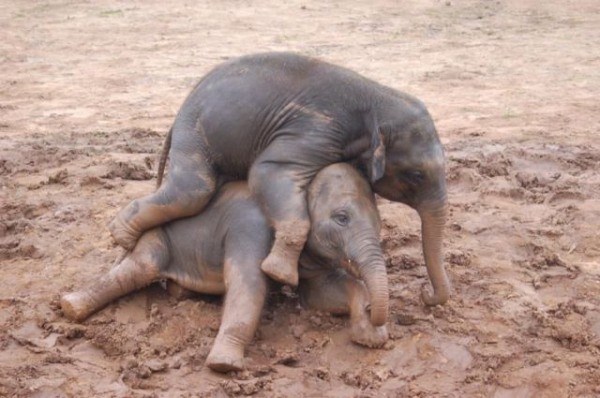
375,156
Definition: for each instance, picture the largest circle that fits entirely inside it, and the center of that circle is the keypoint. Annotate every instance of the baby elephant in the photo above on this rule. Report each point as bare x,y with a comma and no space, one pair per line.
220,252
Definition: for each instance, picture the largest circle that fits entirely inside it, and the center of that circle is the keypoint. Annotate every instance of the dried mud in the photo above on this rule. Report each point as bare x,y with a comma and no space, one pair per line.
88,92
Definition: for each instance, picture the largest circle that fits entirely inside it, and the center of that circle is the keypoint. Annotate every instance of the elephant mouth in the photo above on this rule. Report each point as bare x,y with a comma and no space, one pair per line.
351,267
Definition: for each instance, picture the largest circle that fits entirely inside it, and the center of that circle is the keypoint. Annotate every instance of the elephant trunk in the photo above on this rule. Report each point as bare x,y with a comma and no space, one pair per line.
433,219
368,257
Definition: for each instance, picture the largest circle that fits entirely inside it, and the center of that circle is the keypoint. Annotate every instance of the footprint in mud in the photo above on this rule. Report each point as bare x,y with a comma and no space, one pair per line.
401,261
135,374
59,178
494,164
564,216
6,167
246,387
15,220
128,171
563,196
15,247
540,174
551,188
565,323
470,171
393,237
540,257
458,257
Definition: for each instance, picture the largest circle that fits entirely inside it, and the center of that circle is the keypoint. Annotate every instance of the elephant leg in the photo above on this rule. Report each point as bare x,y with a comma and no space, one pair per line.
246,289
338,292
138,269
189,186
280,188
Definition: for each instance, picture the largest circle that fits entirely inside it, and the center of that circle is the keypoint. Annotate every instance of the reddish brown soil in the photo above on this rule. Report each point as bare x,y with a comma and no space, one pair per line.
88,90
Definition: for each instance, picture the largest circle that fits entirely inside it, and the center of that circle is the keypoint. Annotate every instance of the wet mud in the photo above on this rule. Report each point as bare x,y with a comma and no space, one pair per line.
88,92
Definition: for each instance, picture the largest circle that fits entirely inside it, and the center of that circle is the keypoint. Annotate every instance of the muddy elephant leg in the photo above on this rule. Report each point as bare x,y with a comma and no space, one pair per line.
280,188
136,270
246,289
340,293
189,186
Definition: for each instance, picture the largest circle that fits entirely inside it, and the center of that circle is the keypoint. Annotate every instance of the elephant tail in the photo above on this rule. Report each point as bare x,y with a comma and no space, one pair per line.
163,158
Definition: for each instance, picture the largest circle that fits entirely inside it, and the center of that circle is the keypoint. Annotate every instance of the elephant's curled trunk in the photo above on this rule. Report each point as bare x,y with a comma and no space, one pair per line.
371,267
433,219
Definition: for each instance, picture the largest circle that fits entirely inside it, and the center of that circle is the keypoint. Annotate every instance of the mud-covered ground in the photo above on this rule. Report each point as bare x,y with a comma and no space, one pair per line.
89,89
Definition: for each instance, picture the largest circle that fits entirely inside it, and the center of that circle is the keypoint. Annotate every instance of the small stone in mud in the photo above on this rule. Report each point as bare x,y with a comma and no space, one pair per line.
143,372
156,366
176,364
537,282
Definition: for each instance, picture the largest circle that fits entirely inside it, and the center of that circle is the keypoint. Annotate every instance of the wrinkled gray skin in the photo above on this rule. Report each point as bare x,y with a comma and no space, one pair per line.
220,251
276,119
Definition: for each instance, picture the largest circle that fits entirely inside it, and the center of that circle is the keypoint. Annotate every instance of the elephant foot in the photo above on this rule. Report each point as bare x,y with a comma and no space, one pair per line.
75,306
281,267
224,360
122,233
365,334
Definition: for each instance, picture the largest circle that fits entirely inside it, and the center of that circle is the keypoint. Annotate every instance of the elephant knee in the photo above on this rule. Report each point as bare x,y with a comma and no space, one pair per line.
193,202
187,202
151,251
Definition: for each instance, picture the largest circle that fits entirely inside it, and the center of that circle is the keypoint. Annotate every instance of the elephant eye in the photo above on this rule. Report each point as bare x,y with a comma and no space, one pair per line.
341,217
413,176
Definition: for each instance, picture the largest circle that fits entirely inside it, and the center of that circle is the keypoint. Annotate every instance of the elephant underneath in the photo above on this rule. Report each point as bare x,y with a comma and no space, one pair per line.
276,120
220,250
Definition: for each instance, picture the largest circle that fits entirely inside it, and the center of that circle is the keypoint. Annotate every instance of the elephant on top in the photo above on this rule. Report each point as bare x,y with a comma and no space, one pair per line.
277,119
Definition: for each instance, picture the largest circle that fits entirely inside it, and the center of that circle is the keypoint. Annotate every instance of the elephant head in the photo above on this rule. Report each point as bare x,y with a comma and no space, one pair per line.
406,164
345,228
